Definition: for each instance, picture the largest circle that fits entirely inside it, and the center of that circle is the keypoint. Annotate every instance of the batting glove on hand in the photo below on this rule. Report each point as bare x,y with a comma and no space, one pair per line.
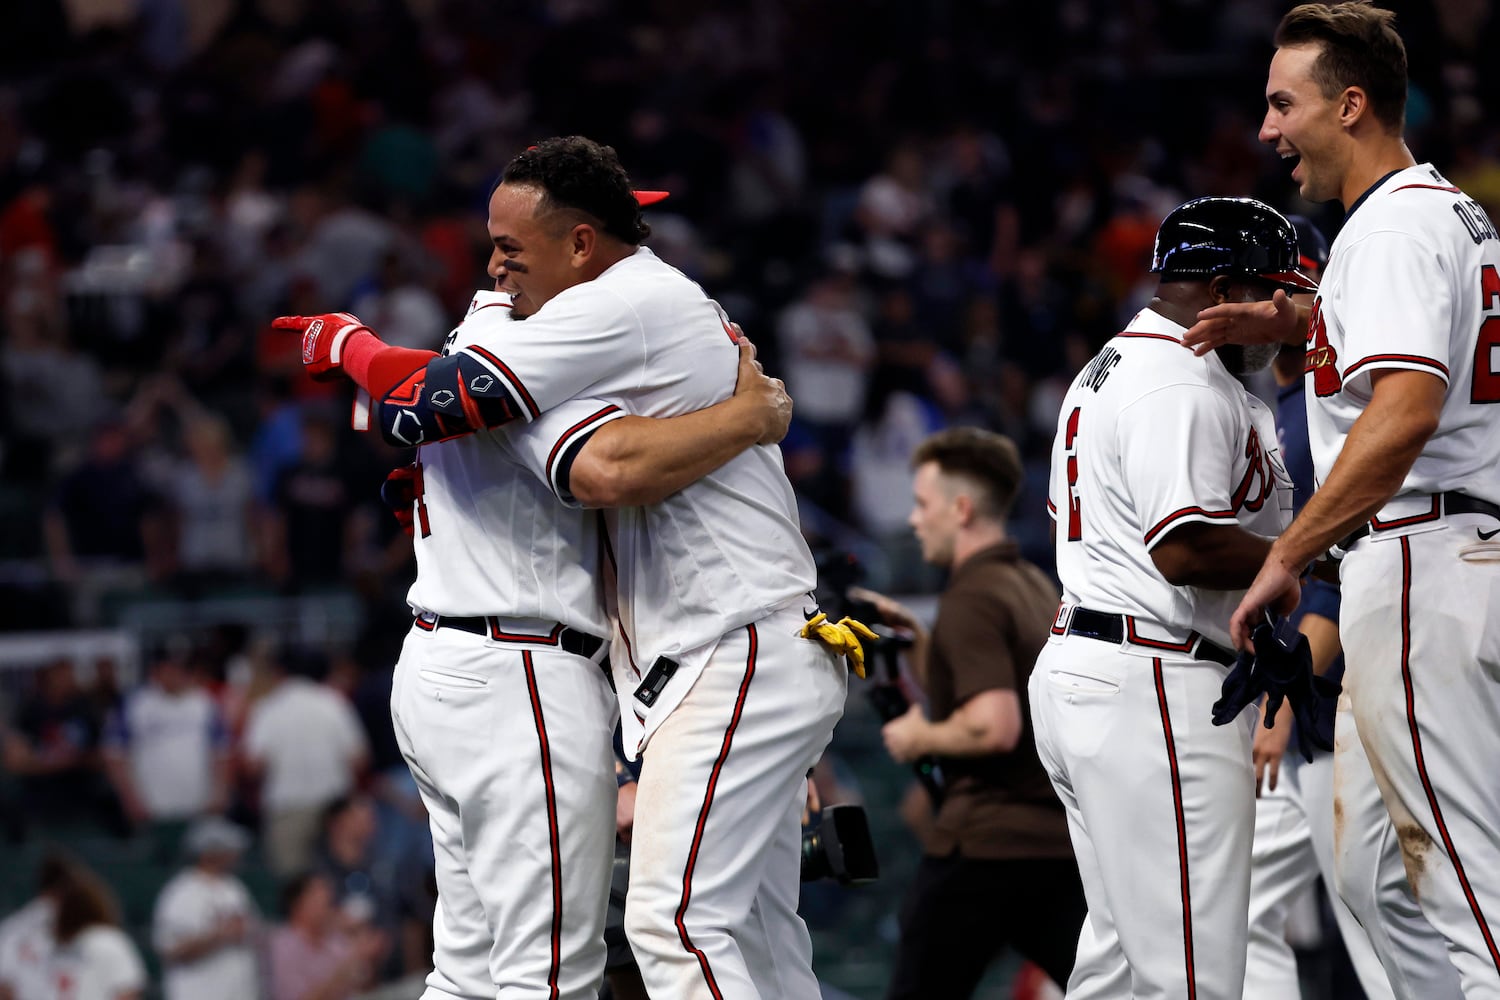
323,339
399,493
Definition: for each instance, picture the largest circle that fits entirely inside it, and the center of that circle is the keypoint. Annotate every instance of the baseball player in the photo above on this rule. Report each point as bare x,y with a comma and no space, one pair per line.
718,688
1294,817
506,719
1402,379
1166,487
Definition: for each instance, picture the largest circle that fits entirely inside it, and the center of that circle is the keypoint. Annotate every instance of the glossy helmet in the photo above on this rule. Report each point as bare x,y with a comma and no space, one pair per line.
1236,236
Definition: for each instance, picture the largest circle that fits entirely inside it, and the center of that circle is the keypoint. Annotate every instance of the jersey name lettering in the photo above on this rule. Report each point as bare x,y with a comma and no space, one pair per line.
1475,221
1098,369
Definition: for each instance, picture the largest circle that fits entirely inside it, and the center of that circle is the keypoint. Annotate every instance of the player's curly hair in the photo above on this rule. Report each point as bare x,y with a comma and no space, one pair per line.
988,460
1360,49
579,173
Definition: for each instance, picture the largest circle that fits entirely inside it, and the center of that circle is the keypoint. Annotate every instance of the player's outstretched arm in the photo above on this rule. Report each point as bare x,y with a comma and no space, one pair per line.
1277,320
635,461
420,396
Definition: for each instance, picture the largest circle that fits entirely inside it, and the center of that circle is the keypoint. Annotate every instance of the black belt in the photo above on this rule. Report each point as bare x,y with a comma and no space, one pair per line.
566,638
1452,503
1108,627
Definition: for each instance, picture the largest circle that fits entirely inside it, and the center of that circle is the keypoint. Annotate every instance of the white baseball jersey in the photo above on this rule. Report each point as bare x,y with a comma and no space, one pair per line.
724,552
1413,282
26,946
1151,437
490,537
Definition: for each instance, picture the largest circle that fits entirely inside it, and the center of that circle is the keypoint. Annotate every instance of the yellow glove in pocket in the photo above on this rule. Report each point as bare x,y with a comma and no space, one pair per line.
842,638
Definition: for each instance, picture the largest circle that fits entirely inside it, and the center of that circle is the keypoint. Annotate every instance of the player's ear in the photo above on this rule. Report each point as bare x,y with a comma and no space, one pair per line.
964,505
584,240
1354,104
1218,288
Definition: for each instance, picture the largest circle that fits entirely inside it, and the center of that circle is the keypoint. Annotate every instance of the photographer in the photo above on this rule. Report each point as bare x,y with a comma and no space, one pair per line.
997,866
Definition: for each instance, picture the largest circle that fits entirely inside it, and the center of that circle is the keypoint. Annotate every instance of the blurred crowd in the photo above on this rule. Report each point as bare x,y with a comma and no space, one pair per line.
926,215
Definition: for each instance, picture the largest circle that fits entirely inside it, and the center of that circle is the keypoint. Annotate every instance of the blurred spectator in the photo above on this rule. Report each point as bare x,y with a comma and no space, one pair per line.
211,495
53,393
205,923
304,742
392,891
318,509
826,354
166,748
320,954
26,936
401,307
94,959
103,519
893,207
53,749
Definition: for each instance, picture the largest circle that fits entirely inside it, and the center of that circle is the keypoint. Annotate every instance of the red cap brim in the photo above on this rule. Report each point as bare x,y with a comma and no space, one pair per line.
651,197
1292,281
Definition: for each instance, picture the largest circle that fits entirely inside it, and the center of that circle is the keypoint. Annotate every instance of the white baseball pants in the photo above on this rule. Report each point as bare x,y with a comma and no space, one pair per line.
1161,809
715,856
1420,624
511,748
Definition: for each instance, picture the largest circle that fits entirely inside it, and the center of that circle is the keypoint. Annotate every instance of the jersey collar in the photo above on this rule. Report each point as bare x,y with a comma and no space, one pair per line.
487,297
1376,187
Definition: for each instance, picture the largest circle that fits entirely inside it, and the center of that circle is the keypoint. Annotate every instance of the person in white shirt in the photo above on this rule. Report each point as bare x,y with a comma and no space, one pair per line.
26,939
304,742
205,922
166,748
94,959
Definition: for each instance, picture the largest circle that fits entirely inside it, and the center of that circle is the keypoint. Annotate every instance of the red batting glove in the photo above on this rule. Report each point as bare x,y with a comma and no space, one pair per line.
400,494
323,339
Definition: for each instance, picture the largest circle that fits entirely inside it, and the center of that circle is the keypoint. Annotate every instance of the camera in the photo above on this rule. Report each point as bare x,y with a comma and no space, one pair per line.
838,571
840,848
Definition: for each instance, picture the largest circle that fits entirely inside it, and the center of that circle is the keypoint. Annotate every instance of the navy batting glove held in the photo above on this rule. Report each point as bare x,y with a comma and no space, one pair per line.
1240,689
1281,669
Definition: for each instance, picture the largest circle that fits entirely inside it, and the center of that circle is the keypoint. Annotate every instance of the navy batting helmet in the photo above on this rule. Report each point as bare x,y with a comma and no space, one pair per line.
1235,236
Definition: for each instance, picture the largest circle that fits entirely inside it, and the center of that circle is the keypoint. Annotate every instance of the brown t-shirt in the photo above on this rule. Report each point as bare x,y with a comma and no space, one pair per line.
992,622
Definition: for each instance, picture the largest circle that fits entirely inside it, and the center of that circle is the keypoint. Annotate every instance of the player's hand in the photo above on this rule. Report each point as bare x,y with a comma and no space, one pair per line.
1276,587
892,613
1270,747
625,811
772,406
399,493
903,735
323,339
1271,322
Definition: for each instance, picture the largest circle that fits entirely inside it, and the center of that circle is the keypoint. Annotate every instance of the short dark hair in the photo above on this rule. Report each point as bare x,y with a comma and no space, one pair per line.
579,173
991,461
1360,48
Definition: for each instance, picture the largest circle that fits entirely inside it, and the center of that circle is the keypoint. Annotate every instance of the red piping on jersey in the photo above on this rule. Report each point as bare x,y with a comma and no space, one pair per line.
1185,512
1416,746
504,369
1051,506
1427,187
563,438
1140,640
557,901
492,305
1376,524
1411,358
708,798
1151,336
1182,849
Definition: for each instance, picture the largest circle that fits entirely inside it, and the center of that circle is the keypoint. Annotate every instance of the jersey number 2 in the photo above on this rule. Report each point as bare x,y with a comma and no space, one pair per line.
1075,507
